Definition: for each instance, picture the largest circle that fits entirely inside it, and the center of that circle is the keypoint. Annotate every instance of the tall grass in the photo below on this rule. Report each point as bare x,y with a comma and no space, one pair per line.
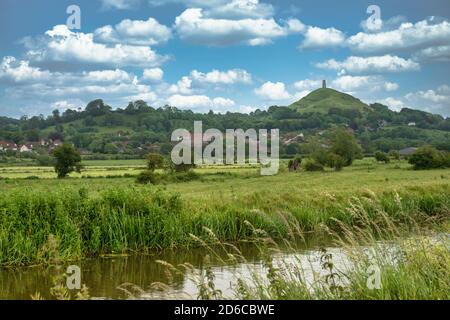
40,227
413,264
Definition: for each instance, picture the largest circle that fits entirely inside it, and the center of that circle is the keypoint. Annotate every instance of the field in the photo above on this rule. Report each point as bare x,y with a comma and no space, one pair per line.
102,211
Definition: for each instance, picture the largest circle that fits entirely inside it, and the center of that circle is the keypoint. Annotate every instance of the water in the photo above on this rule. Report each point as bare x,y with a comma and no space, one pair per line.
105,276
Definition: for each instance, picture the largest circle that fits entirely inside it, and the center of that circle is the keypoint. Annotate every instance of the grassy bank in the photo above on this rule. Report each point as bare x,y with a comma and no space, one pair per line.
41,226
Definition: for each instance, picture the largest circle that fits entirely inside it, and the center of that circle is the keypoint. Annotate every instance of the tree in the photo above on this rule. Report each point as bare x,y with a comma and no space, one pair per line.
427,157
344,144
394,154
155,161
68,159
382,157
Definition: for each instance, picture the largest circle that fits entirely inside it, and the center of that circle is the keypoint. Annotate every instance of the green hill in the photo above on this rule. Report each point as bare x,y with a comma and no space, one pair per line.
322,100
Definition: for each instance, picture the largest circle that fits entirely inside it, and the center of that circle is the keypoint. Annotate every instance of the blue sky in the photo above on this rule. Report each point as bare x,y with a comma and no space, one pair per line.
235,55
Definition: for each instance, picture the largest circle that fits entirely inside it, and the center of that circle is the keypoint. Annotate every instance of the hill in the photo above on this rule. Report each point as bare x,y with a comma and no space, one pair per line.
139,128
324,100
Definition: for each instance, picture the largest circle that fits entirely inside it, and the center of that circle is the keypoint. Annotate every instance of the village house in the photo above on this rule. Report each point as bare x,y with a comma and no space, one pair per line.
7,145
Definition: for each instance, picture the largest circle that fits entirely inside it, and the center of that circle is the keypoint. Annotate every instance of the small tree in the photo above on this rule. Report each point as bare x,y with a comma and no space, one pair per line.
336,162
155,161
427,158
394,154
68,159
382,157
345,145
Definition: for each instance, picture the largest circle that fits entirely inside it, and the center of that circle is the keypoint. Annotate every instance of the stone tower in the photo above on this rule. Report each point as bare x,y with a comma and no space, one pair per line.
324,84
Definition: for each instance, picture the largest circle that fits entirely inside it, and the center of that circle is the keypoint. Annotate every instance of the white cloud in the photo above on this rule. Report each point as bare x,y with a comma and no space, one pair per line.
432,100
354,84
408,36
316,37
193,26
200,102
15,71
153,75
273,91
108,76
222,77
440,53
119,4
134,32
394,104
378,64
63,45
308,84
183,86
234,9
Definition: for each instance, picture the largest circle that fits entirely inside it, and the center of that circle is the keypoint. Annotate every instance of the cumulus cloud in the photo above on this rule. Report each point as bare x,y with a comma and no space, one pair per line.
273,91
119,4
222,77
234,9
62,45
378,64
199,102
431,100
409,36
440,53
14,71
153,75
193,26
316,38
352,84
135,32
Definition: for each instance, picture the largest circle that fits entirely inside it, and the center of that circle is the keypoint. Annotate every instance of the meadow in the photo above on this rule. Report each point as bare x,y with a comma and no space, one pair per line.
43,219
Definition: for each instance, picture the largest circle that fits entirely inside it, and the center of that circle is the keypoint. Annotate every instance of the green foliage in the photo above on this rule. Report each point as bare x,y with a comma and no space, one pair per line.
68,159
336,162
344,144
45,160
148,177
382,157
155,161
312,165
429,158
394,154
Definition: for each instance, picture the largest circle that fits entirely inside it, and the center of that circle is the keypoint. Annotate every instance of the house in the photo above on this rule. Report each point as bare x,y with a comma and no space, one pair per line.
411,124
28,147
7,145
57,143
407,152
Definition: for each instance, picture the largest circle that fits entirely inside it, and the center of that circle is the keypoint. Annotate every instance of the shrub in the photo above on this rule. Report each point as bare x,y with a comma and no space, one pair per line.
184,176
394,155
336,162
428,158
147,176
45,160
155,161
67,160
382,157
312,165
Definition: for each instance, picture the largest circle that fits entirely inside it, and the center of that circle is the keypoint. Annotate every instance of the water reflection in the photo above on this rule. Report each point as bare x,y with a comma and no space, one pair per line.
104,275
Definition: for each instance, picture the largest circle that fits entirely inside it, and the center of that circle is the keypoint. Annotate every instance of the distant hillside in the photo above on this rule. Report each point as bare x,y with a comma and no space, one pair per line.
324,100
139,128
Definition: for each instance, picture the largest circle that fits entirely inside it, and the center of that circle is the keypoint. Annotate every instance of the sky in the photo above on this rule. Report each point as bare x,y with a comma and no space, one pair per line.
235,55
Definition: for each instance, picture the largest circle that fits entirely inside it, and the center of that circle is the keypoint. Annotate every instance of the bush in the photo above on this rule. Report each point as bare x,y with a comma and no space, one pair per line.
155,161
312,165
394,155
336,162
429,158
147,176
184,176
45,161
382,157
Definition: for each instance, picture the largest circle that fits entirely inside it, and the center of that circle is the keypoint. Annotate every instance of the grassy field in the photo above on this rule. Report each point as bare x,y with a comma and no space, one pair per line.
80,217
